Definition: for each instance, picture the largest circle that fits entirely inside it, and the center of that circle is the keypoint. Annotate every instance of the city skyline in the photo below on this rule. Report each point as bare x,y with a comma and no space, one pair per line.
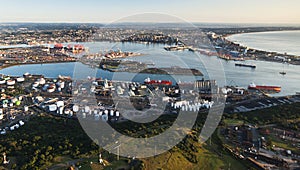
215,11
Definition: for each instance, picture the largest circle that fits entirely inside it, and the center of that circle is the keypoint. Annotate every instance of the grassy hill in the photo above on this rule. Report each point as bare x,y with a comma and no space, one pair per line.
47,141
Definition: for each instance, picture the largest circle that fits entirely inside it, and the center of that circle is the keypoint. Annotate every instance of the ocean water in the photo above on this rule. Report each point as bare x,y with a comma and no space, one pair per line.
277,41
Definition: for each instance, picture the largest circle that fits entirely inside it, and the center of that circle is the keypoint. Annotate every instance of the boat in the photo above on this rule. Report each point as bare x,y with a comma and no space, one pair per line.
176,48
64,77
78,47
282,73
264,87
58,46
239,59
245,65
157,82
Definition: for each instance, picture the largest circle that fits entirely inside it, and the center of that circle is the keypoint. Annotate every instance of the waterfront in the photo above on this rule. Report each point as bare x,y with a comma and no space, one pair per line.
266,72
275,41
46,94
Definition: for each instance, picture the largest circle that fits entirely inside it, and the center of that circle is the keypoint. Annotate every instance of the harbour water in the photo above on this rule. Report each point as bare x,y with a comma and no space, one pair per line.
277,41
265,73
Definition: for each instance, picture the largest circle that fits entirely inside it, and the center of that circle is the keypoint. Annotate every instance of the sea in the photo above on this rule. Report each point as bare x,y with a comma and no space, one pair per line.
225,72
275,41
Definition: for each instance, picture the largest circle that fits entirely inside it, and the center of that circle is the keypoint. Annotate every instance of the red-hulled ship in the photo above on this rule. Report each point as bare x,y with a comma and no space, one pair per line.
264,87
78,47
158,82
59,46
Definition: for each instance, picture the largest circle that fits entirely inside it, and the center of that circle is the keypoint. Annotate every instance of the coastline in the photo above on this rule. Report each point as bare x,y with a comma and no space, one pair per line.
267,31
224,36
29,63
227,37
260,54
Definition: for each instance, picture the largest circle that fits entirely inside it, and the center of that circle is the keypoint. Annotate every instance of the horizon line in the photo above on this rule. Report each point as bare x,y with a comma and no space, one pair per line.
139,22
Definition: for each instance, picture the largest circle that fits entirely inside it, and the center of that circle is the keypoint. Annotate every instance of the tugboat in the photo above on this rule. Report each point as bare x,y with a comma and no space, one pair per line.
282,73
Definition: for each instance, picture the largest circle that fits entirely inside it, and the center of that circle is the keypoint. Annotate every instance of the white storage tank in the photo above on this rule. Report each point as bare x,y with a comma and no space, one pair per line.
106,112
67,112
87,109
52,108
11,82
61,110
42,81
20,79
111,113
21,123
75,108
117,114
2,81
60,103
12,128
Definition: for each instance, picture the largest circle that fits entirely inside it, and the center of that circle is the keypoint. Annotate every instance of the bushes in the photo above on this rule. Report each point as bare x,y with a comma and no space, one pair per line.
43,138
281,115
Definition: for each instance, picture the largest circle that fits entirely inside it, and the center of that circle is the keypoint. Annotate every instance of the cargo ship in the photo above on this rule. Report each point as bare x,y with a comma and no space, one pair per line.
264,87
245,65
158,82
59,46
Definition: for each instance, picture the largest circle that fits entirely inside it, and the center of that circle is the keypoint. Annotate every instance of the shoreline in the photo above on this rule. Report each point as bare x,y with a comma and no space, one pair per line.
29,63
287,30
254,53
273,95
244,45
225,36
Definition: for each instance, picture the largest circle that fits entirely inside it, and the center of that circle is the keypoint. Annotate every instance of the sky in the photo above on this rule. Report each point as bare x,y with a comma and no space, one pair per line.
109,11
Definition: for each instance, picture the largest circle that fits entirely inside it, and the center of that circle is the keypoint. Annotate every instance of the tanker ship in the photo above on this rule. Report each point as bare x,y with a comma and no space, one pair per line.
264,87
158,82
245,65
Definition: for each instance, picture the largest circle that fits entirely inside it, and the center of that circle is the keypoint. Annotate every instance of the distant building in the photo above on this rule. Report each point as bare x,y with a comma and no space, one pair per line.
203,86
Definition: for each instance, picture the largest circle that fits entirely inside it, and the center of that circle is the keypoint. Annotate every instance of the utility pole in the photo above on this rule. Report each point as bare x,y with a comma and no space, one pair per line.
118,151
